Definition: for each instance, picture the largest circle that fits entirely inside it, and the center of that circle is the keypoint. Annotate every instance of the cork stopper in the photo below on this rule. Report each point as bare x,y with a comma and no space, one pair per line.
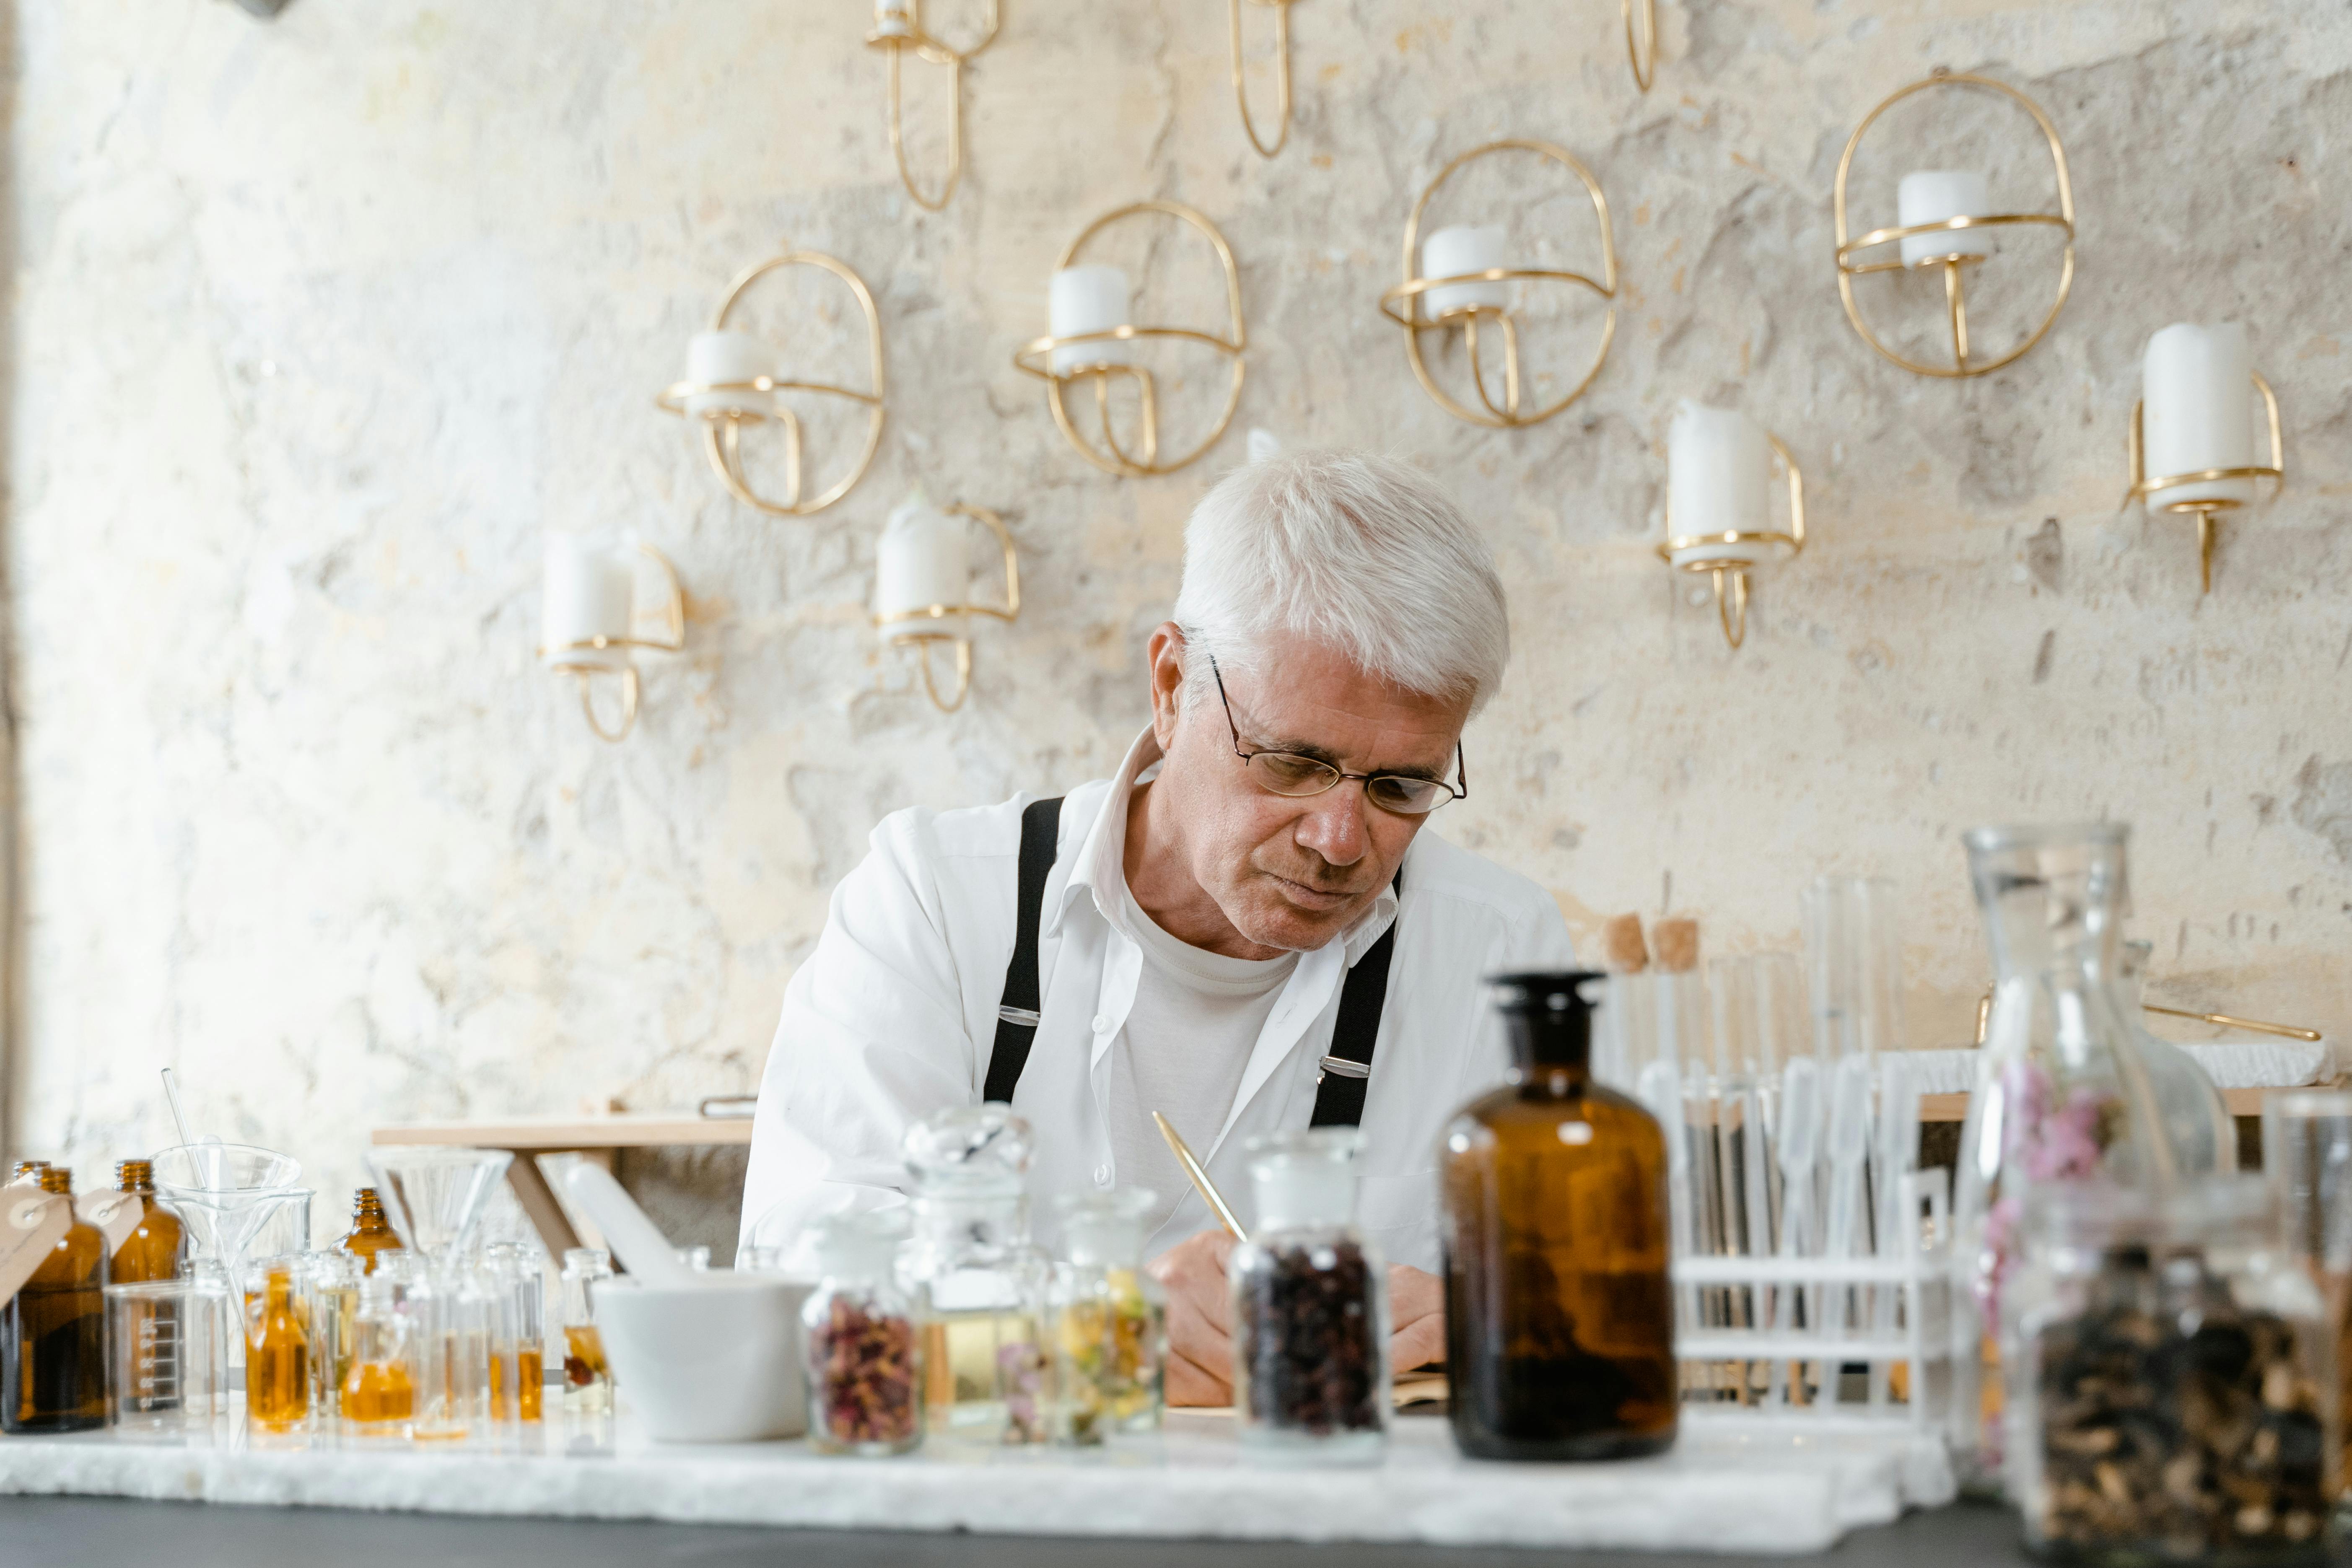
1677,942
57,1179
134,1177
1622,947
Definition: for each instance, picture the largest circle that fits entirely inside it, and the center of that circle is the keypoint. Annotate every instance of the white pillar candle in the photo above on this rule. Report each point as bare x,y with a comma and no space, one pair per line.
894,18
1464,248
1092,299
924,559
728,358
1718,480
1932,195
586,596
2196,386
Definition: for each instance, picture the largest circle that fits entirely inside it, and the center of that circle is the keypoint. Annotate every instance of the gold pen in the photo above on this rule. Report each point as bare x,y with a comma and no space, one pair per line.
1200,1183
2223,1021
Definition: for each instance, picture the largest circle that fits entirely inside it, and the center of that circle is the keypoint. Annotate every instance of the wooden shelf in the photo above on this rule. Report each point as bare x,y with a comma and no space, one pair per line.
554,1133
1955,1106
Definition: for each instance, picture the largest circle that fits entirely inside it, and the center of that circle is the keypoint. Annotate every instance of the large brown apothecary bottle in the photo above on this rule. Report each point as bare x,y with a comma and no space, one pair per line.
1560,1318
157,1245
53,1333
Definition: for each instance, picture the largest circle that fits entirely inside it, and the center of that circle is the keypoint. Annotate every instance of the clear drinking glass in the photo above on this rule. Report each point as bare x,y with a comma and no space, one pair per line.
167,1360
2063,1091
2307,1161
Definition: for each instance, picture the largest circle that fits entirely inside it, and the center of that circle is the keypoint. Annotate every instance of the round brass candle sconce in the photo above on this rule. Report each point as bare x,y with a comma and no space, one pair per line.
586,670
1642,46
1963,363
899,27
1281,9
927,625
1036,357
1729,557
1402,304
2143,487
722,428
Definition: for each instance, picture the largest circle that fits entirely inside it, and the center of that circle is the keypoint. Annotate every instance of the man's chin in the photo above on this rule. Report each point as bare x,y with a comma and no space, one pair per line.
1276,921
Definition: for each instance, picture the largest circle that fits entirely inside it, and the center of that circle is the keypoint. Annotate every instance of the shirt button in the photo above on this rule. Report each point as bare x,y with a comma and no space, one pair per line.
1102,1175
1102,1024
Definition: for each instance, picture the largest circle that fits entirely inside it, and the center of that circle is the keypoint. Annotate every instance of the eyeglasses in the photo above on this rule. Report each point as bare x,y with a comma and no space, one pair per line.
1292,773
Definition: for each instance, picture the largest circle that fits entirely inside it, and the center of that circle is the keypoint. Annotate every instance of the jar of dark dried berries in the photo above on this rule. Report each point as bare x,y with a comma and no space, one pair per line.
1310,1306
2167,1365
864,1360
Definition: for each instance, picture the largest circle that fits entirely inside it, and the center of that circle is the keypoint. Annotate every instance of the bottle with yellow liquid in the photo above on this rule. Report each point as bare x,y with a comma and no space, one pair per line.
53,1333
277,1348
987,1374
378,1395
371,1233
512,1278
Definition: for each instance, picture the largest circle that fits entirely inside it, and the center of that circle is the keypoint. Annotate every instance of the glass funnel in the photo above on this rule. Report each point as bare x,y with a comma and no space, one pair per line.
2063,1094
225,1193
434,1196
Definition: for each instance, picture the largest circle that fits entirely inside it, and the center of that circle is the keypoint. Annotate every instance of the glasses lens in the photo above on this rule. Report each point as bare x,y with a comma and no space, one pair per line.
1285,772
1411,797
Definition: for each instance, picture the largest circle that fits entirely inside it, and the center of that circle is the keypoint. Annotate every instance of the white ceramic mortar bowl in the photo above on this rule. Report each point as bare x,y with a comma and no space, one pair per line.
717,1362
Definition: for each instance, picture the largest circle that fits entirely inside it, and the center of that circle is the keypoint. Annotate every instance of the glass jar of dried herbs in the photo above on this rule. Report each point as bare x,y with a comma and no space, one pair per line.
1310,1306
2166,1380
865,1361
1110,1320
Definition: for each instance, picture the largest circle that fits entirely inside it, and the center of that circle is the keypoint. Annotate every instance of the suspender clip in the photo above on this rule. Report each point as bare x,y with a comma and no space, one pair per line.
1344,1067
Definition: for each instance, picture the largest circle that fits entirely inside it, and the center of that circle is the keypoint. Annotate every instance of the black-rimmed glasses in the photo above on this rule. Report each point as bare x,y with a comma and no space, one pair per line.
1294,774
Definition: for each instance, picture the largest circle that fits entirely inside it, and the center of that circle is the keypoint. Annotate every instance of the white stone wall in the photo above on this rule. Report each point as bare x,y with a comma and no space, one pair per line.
316,325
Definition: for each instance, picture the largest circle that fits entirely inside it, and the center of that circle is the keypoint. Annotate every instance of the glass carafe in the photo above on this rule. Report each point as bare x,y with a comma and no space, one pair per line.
1111,1319
986,1378
2062,1089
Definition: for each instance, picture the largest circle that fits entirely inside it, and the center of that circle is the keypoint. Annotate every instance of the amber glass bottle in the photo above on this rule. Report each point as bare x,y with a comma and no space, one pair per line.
53,1333
371,1233
155,1250
1559,1320
277,1350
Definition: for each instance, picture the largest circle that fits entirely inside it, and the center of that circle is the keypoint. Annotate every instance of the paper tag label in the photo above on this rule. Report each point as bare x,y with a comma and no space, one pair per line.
32,1222
115,1214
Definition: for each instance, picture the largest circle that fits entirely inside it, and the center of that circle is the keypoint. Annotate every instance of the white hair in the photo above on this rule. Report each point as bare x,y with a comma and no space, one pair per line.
1359,554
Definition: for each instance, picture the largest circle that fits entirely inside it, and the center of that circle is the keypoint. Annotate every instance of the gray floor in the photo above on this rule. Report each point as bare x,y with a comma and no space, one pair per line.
67,1532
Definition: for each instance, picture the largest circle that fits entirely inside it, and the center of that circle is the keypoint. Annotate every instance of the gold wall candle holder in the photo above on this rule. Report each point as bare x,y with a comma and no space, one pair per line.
1729,556
1402,304
730,405
585,658
1964,361
1037,358
1641,46
924,627
1281,9
898,29
2143,487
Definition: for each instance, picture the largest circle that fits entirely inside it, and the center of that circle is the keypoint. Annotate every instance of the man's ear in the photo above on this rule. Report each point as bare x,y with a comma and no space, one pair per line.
1165,655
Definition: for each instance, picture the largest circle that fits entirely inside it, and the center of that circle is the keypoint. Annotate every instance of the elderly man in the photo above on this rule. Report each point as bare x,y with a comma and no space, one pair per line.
1243,930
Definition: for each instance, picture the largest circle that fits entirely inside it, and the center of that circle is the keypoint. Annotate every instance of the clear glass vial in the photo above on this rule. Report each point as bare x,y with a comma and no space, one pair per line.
986,1375
587,1377
1310,1307
864,1353
1110,1320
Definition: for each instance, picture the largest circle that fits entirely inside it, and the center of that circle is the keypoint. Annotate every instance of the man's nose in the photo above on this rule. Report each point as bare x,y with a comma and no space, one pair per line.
1334,826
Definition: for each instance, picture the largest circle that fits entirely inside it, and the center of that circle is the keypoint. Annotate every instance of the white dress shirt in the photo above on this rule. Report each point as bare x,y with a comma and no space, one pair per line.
894,1015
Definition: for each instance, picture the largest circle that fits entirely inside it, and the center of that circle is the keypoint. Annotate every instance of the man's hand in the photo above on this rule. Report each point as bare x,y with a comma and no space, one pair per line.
1416,1319
1200,1318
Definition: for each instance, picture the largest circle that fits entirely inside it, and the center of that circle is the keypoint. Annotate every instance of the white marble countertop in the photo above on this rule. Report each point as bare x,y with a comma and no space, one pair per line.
1721,1489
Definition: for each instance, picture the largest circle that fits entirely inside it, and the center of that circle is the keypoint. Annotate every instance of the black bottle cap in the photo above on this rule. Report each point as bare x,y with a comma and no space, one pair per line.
1549,1015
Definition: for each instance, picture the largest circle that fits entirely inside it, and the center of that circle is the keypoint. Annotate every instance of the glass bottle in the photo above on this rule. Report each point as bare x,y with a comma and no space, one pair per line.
448,1351
277,1347
158,1246
587,1379
2062,1089
864,1359
2168,1390
2204,1135
371,1232
332,1292
1310,1306
986,1377
53,1333
512,1278
1110,1320
1560,1316
379,1392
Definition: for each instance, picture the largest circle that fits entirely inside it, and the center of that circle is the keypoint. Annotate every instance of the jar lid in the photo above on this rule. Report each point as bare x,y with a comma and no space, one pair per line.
862,1243
976,1149
2233,1209
1305,1178
1105,1229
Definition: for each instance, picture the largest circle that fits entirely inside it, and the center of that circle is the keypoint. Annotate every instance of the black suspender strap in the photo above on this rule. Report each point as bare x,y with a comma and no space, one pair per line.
1016,1010
1347,1069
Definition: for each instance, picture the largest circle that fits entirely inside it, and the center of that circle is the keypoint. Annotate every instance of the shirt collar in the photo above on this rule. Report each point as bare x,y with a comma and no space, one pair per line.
1101,866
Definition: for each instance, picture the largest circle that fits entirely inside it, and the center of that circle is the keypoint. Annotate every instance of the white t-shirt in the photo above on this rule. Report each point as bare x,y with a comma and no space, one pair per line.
1197,1017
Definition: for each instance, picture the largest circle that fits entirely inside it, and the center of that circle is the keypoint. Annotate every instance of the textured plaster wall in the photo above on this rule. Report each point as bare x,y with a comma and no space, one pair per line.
315,326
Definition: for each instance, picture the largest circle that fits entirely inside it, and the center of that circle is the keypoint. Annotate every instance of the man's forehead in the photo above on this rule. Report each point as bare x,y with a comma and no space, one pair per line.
1342,714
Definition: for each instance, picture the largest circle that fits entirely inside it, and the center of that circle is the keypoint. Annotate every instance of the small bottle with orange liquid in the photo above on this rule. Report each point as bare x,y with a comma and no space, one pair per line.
587,1381
379,1395
277,1348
